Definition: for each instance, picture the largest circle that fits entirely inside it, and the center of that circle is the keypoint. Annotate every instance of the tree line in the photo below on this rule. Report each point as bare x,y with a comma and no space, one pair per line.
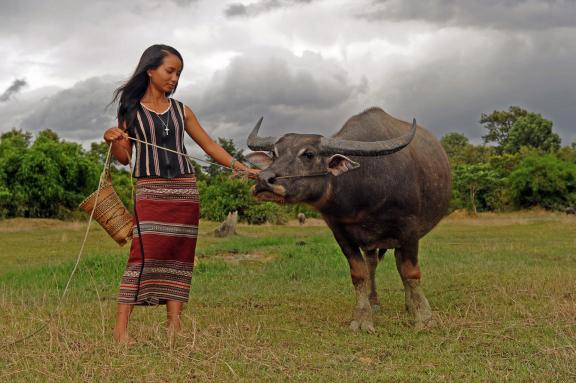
49,177
520,164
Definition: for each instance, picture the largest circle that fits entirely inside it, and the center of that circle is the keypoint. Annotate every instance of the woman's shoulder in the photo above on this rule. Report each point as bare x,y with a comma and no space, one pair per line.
179,105
185,108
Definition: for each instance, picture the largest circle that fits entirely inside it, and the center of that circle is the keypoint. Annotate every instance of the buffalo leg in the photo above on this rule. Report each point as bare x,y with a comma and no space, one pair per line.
362,316
373,257
416,302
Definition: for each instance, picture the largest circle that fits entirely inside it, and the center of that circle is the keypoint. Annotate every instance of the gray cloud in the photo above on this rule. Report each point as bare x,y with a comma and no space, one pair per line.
448,93
12,89
443,62
303,94
259,7
500,14
78,113
184,3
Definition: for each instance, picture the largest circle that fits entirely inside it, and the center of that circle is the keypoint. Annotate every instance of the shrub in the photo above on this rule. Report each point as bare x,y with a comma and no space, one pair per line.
223,195
543,181
259,213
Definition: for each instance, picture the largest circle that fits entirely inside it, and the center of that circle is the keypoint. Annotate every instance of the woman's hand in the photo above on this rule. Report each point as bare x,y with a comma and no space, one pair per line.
246,172
121,147
115,134
252,173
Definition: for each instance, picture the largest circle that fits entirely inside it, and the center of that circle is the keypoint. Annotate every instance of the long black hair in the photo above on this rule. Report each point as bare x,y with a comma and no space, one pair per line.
133,90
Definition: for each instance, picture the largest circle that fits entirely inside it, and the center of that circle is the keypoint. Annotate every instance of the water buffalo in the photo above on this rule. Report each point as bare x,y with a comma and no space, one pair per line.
380,183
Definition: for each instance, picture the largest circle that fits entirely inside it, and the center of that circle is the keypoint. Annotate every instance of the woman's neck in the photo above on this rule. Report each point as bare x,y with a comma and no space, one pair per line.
154,96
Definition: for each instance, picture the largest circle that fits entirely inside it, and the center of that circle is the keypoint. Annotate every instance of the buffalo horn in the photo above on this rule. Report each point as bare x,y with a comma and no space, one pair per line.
363,148
260,143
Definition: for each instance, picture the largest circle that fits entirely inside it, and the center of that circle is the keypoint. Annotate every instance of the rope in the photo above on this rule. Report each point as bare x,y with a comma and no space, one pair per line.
61,299
189,156
223,166
106,166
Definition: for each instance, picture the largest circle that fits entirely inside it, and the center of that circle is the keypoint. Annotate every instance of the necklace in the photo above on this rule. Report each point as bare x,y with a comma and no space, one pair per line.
165,124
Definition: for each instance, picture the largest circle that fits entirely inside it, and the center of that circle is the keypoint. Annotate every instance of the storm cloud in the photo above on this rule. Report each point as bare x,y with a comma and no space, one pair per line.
12,90
498,14
306,66
259,7
294,93
80,112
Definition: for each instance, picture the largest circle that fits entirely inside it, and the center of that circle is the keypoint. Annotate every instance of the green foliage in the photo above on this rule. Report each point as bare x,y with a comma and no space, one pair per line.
499,123
511,130
223,195
259,213
50,177
46,179
545,181
122,181
567,153
470,181
534,131
460,151
454,144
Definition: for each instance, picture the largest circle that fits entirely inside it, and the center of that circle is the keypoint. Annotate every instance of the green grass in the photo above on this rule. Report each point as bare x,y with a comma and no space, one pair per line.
274,303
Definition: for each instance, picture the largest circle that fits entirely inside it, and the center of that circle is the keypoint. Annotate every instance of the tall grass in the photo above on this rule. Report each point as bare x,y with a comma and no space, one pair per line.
274,303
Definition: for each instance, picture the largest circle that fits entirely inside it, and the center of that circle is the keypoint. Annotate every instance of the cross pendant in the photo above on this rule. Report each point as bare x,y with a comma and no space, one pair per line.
166,130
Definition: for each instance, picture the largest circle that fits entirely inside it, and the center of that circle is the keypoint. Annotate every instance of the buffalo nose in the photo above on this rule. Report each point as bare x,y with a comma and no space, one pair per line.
267,176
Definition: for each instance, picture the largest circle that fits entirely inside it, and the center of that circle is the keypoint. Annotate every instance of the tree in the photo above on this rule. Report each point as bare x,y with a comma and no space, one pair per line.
517,127
534,131
454,144
47,135
15,139
499,123
469,180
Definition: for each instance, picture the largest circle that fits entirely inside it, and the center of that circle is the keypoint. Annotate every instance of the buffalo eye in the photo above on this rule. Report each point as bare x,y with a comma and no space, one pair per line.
308,155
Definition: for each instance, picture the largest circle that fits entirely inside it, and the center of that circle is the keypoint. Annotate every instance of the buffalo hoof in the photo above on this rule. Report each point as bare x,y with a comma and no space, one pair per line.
363,325
422,325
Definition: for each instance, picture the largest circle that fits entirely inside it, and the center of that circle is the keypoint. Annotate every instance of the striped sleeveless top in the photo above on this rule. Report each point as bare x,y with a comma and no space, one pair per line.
164,129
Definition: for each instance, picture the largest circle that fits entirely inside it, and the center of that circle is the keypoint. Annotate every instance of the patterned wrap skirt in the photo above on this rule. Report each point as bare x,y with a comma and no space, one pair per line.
168,210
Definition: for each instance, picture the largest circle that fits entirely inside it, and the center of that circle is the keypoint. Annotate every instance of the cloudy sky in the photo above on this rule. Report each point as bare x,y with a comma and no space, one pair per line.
305,65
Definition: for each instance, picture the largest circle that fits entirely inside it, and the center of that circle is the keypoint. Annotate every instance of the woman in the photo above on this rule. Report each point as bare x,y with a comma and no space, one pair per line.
159,268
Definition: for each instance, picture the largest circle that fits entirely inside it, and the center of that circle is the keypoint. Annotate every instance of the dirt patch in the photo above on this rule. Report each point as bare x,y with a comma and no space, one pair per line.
309,222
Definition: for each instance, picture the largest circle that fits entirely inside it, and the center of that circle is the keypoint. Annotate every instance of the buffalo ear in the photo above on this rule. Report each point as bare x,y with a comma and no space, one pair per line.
339,164
260,159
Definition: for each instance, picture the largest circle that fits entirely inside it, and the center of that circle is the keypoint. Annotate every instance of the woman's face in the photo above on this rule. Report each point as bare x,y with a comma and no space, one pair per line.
165,76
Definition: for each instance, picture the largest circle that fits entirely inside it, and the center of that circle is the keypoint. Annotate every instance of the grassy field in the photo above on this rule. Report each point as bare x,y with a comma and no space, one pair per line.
273,304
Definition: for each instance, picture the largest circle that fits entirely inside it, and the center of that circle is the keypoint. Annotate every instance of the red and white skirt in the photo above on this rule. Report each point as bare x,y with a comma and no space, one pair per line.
168,210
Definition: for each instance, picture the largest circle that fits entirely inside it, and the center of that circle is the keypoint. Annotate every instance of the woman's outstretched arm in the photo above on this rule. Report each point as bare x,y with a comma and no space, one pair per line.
211,148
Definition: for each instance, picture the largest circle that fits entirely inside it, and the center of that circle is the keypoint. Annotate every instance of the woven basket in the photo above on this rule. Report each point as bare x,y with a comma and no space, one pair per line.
110,212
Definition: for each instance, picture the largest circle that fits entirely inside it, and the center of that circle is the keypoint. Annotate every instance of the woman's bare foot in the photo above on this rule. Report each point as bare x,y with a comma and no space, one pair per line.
123,338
